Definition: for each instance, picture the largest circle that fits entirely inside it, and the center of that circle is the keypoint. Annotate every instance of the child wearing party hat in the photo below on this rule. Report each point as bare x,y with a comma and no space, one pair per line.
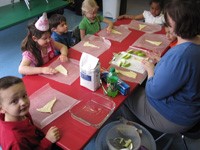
38,48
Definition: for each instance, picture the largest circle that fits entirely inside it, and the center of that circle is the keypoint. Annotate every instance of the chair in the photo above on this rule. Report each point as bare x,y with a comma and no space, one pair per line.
193,133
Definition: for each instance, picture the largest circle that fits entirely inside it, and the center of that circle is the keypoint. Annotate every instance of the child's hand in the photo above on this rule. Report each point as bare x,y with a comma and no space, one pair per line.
63,58
53,134
109,29
49,70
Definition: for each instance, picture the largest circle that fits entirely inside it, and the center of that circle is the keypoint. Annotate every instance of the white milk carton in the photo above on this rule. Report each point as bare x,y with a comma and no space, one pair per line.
89,71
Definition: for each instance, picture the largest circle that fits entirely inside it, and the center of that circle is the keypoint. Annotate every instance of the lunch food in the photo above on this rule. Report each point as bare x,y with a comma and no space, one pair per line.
124,63
115,31
61,69
90,45
157,43
137,52
48,107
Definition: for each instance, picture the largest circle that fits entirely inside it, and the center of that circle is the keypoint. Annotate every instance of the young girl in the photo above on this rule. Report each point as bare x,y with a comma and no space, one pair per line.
38,48
153,16
90,23
17,130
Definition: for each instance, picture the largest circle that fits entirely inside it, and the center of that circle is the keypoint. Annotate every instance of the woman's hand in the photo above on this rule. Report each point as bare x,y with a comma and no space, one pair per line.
149,67
53,134
49,70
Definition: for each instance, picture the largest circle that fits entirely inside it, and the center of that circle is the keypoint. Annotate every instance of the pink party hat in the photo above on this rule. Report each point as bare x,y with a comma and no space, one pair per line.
42,23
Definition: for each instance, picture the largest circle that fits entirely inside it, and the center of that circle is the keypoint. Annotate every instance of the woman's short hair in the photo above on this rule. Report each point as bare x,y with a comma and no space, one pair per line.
186,15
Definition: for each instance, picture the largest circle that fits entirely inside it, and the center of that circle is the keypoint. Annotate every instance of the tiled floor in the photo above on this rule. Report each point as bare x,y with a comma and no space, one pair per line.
10,56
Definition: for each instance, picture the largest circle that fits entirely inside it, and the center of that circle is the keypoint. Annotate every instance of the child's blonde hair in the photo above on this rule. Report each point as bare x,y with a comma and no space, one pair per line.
89,5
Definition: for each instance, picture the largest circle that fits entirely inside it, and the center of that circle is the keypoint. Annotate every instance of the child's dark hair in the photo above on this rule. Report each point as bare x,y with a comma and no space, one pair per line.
186,15
160,2
28,44
8,81
55,20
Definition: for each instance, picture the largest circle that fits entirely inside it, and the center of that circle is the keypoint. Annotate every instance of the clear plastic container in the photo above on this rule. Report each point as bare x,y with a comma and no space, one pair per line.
94,111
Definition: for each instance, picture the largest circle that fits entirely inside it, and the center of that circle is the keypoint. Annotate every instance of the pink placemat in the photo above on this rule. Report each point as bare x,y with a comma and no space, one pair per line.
149,28
72,67
101,45
142,43
115,37
43,96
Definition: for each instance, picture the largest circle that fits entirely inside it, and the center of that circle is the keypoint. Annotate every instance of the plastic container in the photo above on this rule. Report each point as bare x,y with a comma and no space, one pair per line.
93,112
112,83
111,8
123,137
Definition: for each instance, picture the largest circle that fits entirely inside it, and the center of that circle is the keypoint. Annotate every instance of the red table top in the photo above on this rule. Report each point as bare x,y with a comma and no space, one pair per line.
76,135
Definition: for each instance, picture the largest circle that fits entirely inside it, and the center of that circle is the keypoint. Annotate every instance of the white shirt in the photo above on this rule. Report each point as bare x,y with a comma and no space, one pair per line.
149,18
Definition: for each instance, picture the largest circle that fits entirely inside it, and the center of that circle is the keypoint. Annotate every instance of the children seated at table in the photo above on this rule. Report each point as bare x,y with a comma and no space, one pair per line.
90,23
38,48
154,16
17,130
59,28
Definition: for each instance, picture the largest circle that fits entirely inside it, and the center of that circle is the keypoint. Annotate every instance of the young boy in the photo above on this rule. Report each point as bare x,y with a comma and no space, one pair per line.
59,28
17,131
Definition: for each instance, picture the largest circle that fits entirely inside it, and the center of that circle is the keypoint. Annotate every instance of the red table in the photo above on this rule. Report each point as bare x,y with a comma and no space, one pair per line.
76,135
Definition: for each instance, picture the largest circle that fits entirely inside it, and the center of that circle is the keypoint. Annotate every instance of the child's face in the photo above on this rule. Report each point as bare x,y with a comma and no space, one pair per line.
91,15
15,103
44,40
62,28
155,9
170,35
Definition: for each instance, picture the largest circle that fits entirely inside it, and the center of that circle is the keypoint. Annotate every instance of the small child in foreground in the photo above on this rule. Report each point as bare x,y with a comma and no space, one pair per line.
17,131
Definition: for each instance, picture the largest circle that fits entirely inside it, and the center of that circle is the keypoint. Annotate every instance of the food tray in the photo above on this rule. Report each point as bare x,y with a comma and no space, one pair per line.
94,111
135,62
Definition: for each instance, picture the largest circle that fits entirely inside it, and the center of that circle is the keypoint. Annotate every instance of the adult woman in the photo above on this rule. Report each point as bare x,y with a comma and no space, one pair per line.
170,101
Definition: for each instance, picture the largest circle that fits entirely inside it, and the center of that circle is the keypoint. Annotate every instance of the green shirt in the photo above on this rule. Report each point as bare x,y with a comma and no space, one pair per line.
91,27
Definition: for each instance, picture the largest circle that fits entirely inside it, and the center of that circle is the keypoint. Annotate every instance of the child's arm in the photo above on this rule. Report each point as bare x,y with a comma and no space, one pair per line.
110,24
82,34
26,69
134,17
63,50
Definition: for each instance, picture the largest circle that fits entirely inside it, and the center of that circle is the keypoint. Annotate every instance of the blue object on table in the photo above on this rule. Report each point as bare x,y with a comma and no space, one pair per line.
123,87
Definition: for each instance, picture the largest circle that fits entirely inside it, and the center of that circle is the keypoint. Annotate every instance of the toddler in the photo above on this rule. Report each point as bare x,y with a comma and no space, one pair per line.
90,23
59,28
153,16
38,48
17,130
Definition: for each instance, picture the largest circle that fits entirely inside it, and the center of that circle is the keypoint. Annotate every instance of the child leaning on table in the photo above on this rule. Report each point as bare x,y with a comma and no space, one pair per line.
90,24
154,15
17,131
59,28
171,36
38,48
